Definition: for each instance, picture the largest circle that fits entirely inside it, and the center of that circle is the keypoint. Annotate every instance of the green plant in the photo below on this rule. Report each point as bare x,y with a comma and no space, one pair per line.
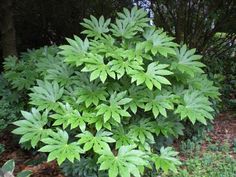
18,76
8,168
208,164
85,167
115,92
190,147
22,72
223,69
8,98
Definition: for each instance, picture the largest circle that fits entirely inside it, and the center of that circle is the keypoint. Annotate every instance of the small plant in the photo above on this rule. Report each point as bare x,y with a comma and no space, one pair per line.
190,147
110,96
8,169
8,98
209,164
85,167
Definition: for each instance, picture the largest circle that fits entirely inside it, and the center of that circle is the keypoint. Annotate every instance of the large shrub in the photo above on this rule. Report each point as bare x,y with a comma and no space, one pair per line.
116,92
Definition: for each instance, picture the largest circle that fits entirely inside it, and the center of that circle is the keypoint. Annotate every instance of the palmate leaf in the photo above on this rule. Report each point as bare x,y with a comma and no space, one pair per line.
169,126
195,106
129,23
49,61
75,52
153,76
46,95
159,102
124,29
157,41
66,116
120,66
127,162
137,16
91,93
187,62
32,127
20,72
58,147
98,143
142,131
104,45
95,27
95,64
113,109
136,93
61,73
205,86
122,137
92,118
166,160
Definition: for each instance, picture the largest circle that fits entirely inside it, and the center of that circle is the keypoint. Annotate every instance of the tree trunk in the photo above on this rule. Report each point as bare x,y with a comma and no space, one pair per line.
8,35
180,22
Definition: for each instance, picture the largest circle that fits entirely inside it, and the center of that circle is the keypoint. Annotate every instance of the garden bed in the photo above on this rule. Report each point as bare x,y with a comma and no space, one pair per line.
224,132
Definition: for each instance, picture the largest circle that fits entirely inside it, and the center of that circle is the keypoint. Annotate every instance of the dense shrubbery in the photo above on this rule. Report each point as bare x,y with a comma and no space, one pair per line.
111,96
18,76
222,68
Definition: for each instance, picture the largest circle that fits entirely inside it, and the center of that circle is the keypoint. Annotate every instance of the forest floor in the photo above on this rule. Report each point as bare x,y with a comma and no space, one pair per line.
224,131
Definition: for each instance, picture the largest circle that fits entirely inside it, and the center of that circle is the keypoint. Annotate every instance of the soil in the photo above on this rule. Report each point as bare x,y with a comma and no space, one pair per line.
24,157
224,127
224,131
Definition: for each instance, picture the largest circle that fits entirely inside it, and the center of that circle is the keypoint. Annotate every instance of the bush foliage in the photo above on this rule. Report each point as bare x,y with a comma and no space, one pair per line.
110,96
19,75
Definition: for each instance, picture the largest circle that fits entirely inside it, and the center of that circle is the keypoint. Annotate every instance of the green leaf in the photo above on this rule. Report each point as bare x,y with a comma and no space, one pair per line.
126,163
75,52
205,86
154,76
95,28
122,138
9,166
66,116
60,73
98,143
91,118
95,64
130,23
46,95
195,106
187,62
120,66
142,131
159,102
114,109
32,127
58,147
168,127
166,160
157,41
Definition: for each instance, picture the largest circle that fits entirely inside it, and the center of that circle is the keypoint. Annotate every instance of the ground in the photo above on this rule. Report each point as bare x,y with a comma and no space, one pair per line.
224,131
